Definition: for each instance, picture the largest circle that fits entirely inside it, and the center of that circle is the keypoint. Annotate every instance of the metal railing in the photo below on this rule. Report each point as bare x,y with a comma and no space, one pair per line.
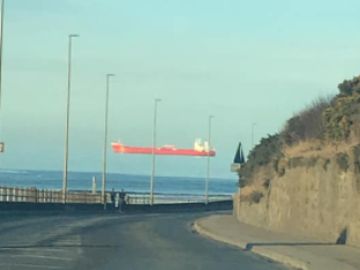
34,195
172,199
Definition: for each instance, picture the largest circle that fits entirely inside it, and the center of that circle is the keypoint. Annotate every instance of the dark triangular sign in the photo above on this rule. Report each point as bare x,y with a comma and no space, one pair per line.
239,156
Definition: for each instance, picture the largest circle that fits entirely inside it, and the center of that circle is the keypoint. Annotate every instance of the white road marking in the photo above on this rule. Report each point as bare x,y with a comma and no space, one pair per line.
41,257
31,265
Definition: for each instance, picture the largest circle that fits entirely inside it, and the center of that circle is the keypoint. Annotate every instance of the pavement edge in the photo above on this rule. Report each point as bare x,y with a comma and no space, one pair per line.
266,253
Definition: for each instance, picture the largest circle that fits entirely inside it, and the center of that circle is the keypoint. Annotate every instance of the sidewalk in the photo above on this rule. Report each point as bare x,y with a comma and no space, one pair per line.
296,252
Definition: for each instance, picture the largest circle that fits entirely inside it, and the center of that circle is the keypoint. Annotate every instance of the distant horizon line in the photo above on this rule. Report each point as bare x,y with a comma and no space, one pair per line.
7,170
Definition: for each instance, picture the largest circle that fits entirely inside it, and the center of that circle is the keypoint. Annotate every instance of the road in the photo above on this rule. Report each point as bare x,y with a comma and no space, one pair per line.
113,241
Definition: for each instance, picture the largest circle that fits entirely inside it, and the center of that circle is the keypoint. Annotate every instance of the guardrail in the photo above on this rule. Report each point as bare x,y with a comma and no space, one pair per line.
173,199
34,195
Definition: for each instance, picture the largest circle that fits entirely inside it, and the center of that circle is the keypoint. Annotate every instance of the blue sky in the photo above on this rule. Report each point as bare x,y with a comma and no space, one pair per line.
243,61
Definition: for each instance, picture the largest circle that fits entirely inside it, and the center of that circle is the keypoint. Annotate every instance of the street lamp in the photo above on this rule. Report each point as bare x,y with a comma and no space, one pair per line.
152,178
103,190
208,162
252,134
1,45
66,158
2,145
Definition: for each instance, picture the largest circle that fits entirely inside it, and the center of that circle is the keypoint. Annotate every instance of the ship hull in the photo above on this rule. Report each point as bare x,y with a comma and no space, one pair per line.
122,149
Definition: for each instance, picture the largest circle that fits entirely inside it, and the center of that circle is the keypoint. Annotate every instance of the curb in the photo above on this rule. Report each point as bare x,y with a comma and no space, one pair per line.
269,254
204,232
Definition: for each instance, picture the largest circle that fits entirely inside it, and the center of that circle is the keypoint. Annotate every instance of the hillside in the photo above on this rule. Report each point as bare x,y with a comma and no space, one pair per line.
306,178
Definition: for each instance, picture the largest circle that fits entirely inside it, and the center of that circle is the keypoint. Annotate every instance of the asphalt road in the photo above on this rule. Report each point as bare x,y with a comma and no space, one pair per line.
112,241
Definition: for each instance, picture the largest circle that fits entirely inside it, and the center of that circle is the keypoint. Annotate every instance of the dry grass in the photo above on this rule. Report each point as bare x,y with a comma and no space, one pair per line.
247,191
316,148
307,124
260,176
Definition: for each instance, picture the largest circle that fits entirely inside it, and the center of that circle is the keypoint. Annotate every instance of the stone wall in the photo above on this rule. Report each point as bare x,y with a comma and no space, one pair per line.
316,197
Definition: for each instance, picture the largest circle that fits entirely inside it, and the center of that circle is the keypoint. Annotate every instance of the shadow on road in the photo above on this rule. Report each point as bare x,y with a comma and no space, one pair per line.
250,246
57,246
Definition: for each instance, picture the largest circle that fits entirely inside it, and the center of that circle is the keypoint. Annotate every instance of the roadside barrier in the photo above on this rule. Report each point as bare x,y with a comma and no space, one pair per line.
43,196
34,195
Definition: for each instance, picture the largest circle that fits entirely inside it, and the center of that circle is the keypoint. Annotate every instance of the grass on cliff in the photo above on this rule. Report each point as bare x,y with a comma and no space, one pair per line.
308,124
317,148
326,127
331,119
261,155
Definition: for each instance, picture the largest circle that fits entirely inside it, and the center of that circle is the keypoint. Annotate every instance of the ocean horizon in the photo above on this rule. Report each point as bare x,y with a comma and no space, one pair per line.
132,183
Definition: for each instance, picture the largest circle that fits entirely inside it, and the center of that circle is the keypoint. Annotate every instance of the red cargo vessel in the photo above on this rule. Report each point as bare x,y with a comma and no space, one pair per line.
199,149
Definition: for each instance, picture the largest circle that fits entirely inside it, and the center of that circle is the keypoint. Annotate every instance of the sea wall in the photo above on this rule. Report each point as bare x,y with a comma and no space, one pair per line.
12,207
314,196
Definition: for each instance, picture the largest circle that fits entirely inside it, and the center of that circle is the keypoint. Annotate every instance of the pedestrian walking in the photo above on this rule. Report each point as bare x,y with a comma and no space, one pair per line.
112,197
122,200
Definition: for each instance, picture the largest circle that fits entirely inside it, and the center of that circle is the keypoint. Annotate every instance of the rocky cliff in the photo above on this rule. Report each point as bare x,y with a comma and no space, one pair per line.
308,184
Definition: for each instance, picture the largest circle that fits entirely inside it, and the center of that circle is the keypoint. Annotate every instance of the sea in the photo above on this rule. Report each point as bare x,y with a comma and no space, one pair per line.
140,184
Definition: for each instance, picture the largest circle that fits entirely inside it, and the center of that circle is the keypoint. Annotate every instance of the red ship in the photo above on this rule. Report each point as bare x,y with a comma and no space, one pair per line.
202,150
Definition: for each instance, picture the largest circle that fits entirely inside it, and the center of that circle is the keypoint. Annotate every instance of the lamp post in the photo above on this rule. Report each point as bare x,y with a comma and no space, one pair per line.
66,150
252,134
208,162
1,45
152,178
103,189
1,60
